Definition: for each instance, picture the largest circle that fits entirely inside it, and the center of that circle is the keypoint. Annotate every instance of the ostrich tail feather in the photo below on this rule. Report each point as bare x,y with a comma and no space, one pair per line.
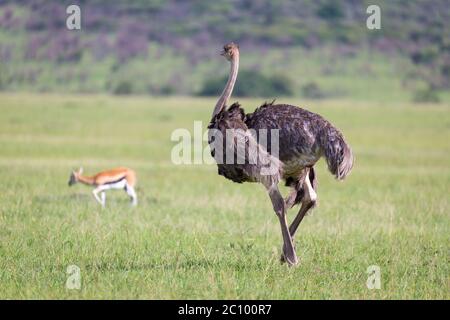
338,153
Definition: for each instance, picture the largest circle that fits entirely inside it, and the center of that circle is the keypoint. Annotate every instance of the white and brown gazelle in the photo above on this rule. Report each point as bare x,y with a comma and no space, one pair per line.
118,178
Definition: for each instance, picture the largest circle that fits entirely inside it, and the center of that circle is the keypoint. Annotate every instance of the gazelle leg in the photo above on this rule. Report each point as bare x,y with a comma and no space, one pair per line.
280,210
103,197
95,192
130,191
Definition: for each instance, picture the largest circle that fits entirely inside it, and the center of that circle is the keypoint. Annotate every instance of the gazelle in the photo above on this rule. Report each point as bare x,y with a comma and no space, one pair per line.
118,178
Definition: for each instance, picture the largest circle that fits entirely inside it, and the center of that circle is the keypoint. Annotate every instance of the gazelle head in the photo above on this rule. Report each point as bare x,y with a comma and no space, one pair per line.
230,51
74,176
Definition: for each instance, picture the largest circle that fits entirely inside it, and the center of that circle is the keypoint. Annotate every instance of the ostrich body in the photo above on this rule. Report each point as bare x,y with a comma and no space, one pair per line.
303,138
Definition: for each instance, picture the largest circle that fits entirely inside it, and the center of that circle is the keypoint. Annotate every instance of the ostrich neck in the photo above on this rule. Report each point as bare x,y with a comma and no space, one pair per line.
226,93
85,180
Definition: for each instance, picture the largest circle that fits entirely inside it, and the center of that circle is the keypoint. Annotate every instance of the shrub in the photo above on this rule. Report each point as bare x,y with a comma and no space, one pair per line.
165,90
123,87
427,95
281,85
330,10
250,84
312,91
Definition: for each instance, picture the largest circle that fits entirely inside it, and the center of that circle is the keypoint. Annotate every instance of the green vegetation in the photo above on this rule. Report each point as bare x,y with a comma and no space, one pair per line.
195,234
251,84
312,91
170,47
124,87
426,95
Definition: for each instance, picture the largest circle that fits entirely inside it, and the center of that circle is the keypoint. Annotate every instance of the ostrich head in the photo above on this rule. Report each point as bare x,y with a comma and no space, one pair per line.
230,51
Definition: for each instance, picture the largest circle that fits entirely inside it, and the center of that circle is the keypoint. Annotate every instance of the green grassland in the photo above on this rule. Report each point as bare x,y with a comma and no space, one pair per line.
195,234
364,75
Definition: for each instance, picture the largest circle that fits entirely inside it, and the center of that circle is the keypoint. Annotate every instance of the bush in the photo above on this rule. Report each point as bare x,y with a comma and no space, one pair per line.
281,85
123,87
2,78
330,10
165,90
427,95
312,91
250,84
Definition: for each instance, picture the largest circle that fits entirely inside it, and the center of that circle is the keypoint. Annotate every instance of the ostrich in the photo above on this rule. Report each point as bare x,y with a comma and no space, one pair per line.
303,138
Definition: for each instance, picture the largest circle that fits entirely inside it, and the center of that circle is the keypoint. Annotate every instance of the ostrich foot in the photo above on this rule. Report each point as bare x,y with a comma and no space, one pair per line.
292,261
289,256
289,262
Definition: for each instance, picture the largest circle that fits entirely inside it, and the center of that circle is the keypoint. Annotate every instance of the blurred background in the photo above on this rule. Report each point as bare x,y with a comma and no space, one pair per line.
303,48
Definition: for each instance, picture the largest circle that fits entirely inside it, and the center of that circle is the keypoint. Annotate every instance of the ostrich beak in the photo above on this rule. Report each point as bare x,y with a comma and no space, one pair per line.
222,53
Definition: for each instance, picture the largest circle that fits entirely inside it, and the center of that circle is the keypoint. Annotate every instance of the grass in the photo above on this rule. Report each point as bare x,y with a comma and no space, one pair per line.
197,235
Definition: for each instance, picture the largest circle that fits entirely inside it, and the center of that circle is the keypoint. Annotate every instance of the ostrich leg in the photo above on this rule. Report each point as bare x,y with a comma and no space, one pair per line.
293,227
308,201
301,214
280,210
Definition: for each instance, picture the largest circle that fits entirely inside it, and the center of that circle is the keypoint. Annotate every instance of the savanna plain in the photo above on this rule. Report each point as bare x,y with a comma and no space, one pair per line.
197,235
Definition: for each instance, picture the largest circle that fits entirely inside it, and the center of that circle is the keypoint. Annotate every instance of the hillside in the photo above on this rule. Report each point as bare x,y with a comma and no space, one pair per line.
170,47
